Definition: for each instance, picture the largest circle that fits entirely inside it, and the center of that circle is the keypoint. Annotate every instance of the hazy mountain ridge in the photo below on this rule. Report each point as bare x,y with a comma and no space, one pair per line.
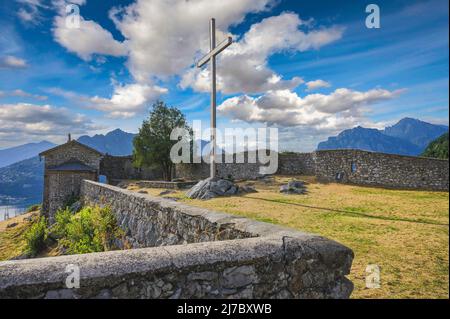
407,137
117,142
23,179
417,132
16,154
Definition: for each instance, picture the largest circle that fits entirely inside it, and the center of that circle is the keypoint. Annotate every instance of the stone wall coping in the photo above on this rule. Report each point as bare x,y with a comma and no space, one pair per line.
253,227
350,150
51,271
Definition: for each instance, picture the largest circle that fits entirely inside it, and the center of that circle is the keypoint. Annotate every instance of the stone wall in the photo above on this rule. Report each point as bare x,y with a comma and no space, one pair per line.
66,186
369,168
206,254
121,167
248,169
378,169
296,164
166,185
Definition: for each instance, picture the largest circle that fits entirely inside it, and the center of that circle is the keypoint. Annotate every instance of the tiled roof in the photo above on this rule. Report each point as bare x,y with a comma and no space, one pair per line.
72,142
72,165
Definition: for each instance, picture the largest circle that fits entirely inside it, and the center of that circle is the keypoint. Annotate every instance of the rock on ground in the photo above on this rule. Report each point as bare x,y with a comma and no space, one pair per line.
214,187
293,187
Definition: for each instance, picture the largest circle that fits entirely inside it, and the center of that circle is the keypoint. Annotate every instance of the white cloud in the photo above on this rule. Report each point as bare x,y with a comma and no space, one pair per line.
127,100
21,93
244,65
317,84
24,121
164,36
88,39
12,62
29,12
341,109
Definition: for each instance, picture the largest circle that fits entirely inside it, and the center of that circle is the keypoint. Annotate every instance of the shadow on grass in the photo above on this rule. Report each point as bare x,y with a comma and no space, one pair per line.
352,213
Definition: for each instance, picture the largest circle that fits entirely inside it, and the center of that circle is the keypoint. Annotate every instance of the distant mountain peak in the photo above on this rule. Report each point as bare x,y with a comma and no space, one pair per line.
408,136
117,131
116,142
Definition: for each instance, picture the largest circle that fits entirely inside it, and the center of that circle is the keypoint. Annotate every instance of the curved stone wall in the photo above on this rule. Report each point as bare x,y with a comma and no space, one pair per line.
197,253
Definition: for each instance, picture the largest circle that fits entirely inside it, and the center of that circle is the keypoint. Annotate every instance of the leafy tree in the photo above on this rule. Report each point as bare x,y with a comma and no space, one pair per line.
152,144
438,148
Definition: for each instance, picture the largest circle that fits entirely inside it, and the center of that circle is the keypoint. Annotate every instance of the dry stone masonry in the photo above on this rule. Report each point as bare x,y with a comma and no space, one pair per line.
189,253
343,166
384,170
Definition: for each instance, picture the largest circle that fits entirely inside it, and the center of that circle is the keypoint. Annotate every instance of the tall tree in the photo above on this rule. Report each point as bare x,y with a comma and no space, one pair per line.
438,148
152,144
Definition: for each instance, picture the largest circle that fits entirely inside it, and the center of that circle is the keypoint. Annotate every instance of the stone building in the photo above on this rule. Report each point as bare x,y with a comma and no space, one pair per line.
65,167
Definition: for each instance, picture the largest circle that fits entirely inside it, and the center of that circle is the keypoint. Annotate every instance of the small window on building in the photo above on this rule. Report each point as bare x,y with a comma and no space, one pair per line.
354,167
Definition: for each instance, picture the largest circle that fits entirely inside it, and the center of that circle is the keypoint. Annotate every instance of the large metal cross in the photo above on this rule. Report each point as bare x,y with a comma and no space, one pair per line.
211,57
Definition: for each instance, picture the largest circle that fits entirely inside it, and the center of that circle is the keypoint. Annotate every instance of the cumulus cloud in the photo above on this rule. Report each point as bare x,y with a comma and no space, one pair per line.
244,65
24,121
317,84
87,39
127,100
12,62
164,36
341,109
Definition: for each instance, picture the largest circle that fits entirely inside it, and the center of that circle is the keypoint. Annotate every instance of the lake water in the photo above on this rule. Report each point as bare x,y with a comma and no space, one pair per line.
15,206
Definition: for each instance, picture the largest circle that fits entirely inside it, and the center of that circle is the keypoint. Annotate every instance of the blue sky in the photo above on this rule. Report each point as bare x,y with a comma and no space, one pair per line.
310,68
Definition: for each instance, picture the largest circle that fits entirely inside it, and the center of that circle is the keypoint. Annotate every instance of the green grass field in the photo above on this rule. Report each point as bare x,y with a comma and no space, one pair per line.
406,233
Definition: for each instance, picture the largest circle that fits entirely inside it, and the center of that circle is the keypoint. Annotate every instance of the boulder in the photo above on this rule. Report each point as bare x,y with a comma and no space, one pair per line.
293,187
212,187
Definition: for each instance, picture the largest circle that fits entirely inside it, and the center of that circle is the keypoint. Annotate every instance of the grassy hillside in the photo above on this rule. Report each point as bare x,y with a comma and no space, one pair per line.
438,148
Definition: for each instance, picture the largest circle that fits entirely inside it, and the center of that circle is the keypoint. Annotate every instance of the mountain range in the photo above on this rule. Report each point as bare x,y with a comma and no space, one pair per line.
117,142
15,154
407,137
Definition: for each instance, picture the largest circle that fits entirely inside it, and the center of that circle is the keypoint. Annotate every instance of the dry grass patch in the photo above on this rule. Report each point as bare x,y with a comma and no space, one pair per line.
405,232
12,240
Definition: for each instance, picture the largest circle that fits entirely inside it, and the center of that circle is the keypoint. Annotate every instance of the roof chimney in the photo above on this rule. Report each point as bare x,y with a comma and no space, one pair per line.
69,138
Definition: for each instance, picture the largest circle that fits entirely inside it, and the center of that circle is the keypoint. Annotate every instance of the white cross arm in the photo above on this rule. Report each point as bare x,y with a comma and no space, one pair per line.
222,46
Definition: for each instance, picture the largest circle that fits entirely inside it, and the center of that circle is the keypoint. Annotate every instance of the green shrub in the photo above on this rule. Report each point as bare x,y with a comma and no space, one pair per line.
92,229
62,219
36,236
